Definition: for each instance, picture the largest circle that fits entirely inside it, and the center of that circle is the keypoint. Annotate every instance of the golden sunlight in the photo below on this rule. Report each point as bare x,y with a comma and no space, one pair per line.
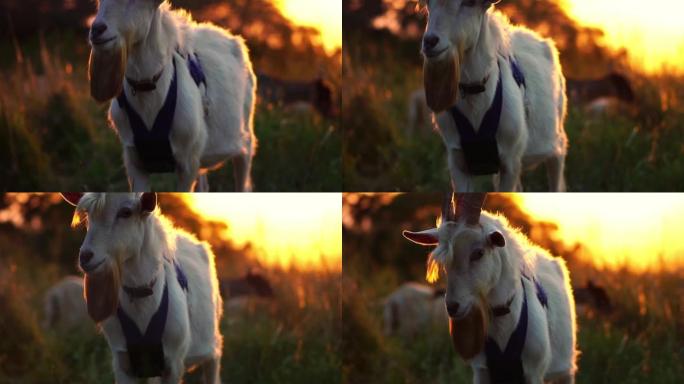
652,32
641,231
302,230
324,15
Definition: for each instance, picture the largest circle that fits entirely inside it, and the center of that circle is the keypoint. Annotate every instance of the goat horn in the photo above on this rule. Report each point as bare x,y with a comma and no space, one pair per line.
448,213
470,206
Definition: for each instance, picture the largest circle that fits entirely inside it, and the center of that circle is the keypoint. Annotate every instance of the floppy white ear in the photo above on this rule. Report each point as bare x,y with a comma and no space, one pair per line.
426,237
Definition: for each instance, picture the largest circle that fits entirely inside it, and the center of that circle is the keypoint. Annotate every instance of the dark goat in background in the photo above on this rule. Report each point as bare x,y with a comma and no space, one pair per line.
318,93
251,284
612,85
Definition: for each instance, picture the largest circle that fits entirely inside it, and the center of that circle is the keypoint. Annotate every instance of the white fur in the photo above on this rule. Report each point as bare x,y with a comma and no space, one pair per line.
212,123
411,308
531,128
64,305
550,347
142,246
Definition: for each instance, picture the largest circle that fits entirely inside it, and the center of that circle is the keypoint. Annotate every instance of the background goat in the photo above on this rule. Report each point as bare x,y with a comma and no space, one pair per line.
135,262
317,93
165,57
413,307
468,49
64,305
492,274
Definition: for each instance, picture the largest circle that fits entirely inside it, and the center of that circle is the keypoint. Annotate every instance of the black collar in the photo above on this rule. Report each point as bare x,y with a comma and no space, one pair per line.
145,85
504,309
140,291
474,88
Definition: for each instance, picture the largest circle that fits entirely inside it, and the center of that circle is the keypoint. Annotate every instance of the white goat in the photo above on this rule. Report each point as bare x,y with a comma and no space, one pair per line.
503,294
413,307
513,104
153,288
64,304
187,104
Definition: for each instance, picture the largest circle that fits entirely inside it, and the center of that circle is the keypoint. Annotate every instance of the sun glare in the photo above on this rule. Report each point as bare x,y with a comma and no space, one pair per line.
287,229
324,15
651,32
636,230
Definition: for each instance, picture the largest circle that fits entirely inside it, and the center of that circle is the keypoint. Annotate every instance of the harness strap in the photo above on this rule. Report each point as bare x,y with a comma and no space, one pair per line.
145,350
506,366
480,148
153,145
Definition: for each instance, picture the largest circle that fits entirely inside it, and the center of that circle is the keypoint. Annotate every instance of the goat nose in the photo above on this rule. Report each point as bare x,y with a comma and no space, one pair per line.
85,256
452,308
97,29
430,41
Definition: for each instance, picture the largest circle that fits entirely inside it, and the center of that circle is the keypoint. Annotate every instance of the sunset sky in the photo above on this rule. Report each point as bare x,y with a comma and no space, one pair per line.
324,15
301,229
618,228
651,31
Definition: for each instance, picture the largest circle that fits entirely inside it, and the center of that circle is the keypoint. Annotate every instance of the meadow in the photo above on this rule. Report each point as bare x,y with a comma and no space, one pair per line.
54,136
639,341
292,338
636,147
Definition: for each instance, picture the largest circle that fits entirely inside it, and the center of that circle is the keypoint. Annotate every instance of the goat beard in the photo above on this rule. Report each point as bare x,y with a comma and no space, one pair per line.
440,78
106,70
102,293
468,333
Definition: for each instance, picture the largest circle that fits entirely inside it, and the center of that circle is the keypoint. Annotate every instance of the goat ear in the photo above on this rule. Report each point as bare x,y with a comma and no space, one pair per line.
72,197
497,239
427,237
148,202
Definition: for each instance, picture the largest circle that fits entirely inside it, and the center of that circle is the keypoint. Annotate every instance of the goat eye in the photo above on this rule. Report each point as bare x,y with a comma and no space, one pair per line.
477,254
124,213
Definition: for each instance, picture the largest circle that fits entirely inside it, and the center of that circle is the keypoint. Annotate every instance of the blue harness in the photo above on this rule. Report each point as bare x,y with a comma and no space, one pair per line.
145,351
480,149
506,367
154,145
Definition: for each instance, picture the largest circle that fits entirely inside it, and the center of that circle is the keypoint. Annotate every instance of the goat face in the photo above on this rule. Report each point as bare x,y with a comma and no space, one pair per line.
115,232
117,26
453,28
468,255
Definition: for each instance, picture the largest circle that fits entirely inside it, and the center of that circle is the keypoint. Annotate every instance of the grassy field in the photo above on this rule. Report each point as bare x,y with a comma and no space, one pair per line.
640,342
293,339
53,136
637,149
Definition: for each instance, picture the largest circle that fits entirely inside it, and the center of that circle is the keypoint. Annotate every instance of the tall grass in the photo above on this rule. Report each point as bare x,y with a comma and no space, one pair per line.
641,341
53,136
294,338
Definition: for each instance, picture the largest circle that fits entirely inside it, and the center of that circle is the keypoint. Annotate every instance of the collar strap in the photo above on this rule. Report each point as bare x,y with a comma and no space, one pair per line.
140,291
504,309
474,88
145,85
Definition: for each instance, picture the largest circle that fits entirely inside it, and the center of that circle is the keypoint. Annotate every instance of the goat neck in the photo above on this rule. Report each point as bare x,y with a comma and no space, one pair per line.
141,269
479,61
147,57
501,327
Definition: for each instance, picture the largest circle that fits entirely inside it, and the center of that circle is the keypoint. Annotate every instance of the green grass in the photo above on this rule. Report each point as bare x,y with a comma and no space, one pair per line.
53,136
293,339
636,343
637,149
